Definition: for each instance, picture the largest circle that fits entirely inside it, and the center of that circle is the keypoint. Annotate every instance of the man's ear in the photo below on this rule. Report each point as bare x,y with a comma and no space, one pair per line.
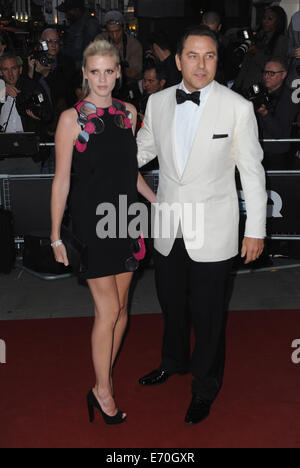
119,72
163,83
178,62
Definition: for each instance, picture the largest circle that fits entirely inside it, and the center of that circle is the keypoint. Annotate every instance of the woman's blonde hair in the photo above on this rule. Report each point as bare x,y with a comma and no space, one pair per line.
99,48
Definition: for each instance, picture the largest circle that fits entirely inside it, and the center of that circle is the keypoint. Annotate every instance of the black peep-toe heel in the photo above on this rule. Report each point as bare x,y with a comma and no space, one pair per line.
92,403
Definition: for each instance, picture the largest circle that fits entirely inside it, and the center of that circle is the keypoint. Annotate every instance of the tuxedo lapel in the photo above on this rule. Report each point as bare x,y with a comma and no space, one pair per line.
204,133
174,154
169,131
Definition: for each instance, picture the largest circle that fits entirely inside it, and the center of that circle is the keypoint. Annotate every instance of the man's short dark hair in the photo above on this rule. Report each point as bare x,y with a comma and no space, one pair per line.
282,62
200,31
211,17
159,69
9,56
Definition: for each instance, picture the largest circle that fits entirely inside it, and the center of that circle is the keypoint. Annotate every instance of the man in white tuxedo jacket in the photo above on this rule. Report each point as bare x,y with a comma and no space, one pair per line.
201,131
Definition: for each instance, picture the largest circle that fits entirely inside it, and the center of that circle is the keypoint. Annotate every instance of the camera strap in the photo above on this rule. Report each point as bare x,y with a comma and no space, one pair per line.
9,115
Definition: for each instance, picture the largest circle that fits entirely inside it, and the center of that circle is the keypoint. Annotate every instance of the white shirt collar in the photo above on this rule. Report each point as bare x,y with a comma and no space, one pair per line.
204,91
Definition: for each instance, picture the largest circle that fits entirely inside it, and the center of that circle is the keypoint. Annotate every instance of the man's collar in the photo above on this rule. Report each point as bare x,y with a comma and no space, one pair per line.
277,91
203,91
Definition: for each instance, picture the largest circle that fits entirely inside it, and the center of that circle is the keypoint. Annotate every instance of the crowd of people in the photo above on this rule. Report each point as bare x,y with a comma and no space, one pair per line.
261,65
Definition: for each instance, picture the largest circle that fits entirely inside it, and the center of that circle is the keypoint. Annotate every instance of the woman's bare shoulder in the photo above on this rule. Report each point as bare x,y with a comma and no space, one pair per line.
131,108
69,117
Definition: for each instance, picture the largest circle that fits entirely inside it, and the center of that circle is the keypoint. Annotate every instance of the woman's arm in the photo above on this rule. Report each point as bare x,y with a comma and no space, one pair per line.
133,111
142,186
145,190
64,143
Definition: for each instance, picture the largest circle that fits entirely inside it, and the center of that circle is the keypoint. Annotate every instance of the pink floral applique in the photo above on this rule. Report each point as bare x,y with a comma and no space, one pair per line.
81,147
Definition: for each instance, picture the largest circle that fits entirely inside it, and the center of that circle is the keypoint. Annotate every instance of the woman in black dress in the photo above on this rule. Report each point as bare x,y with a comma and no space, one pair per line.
97,138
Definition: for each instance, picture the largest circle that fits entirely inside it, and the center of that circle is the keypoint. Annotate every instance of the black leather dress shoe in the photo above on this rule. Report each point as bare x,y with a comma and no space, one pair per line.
199,410
157,377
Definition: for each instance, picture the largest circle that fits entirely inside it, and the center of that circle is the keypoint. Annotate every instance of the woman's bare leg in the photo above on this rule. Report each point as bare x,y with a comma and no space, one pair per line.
123,282
107,311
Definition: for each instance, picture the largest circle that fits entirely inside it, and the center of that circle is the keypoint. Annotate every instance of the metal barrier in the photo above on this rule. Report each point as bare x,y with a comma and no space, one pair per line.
286,196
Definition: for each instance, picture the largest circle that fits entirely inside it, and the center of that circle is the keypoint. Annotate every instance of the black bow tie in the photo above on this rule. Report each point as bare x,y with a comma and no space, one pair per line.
182,97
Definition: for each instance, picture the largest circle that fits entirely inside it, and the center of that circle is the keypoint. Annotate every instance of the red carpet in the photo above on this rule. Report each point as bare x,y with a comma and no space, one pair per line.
49,371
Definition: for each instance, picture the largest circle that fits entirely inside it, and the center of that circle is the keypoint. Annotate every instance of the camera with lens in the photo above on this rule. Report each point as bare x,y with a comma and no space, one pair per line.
40,53
247,40
258,94
33,102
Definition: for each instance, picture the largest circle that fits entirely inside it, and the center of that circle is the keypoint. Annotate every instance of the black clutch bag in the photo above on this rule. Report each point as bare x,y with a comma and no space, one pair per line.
76,250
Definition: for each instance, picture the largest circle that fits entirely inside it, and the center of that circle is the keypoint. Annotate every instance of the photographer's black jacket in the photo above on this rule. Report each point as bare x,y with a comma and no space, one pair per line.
62,80
279,121
29,88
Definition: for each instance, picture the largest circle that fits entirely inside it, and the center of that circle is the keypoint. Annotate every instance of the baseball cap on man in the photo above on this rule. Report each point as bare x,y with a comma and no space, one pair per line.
114,16
68,5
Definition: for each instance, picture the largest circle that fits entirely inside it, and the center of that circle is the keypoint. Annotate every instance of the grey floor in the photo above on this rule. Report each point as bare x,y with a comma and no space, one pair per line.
24,296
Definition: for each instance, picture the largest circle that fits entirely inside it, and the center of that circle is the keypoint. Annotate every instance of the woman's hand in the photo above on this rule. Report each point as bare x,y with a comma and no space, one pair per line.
144,189
60,254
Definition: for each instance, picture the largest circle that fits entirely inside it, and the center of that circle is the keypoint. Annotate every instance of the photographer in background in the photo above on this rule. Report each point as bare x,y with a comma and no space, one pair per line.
131,55
154,80
161,51
56,73
82,29
270,41
294,48
26,109
6,46
213,20
131,51
276,115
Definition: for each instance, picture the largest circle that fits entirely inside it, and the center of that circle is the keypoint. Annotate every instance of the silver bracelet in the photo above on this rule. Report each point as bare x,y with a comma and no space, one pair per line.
56,244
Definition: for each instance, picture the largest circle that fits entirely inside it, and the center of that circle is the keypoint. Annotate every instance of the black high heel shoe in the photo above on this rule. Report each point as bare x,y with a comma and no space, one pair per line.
92,403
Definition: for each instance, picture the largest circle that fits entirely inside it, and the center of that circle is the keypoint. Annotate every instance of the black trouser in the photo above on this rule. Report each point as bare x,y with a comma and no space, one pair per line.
192,292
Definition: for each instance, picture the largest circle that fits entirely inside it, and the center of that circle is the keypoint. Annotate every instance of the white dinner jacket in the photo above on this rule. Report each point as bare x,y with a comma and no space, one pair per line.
204,199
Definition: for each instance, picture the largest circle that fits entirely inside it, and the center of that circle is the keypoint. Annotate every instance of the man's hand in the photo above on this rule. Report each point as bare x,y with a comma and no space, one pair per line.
253,50
252,249
31,114
297,53
12,91
263,110
42,69
31,66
